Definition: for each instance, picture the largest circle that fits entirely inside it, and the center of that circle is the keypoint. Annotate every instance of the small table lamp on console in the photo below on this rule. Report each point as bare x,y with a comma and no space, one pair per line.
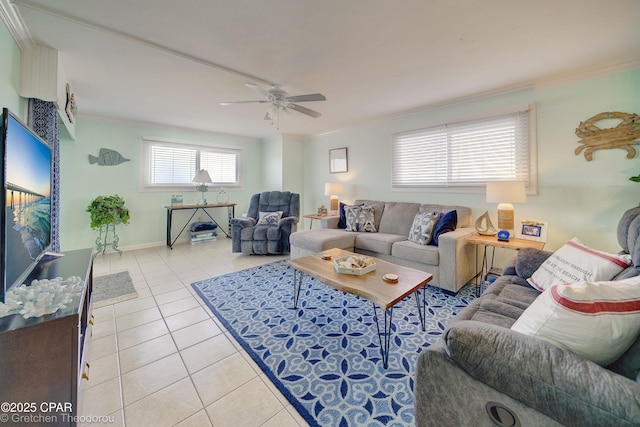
505,193
333,189
203,178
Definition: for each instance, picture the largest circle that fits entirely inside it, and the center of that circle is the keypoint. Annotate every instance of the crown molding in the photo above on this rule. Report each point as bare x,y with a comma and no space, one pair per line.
587,73
12,19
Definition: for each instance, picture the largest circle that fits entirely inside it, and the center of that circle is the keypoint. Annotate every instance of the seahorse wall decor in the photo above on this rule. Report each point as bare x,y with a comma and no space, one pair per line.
622,136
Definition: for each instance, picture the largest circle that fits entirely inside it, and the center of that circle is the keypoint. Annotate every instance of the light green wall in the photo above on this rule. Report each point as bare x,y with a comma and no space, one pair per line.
577,198
272,160
80,181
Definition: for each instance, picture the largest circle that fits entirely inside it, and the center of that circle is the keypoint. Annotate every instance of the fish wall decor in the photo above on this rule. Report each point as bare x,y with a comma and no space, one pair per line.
107,157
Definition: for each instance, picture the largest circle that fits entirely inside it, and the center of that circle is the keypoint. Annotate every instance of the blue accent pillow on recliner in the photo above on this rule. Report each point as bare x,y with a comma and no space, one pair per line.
448,222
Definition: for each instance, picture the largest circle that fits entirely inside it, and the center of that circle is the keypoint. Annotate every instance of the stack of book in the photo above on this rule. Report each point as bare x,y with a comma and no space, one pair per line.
202,236
201,232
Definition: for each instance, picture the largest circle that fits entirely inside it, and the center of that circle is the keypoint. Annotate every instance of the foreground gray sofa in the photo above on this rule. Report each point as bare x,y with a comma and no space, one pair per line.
481,369
452,262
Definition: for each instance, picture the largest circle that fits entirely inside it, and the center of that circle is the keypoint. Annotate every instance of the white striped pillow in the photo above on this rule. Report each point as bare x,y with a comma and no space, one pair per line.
575,262
596,320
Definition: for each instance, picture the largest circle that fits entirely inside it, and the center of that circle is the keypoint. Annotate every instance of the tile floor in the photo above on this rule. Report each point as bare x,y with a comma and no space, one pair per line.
163,359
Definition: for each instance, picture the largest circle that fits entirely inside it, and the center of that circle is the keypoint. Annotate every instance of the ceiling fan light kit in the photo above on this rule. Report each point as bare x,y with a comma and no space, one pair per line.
281,101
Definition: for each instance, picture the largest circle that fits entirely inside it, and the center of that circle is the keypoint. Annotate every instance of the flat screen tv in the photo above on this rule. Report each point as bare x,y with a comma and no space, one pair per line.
26,217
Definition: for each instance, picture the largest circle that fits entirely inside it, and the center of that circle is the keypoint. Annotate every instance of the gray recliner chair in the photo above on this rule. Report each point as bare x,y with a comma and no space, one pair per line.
251,237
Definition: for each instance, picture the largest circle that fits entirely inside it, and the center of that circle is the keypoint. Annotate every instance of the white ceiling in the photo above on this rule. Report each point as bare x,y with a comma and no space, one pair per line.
172,62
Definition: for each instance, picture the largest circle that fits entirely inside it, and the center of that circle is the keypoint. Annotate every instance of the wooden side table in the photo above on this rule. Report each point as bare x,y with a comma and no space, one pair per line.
315,216
493,242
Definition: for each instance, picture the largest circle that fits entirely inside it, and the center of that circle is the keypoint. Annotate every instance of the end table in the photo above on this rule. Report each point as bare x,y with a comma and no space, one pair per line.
493,242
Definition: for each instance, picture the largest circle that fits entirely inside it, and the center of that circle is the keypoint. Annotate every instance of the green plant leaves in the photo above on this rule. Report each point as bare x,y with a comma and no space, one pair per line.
107,210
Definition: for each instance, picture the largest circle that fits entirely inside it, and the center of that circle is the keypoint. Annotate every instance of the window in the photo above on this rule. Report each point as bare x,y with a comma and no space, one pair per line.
172,165
466,154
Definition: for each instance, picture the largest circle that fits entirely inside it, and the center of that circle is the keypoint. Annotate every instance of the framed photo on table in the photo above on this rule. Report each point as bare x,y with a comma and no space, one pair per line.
338,161
533,230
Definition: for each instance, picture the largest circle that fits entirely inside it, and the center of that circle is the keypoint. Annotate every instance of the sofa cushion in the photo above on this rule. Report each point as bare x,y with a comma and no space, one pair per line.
629,363
596,320
422,227
321,239
574,262
377,242
417,253
554,381
359,218
397,217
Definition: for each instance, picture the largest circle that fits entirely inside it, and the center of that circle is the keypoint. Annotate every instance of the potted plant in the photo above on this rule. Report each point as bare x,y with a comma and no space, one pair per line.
106,212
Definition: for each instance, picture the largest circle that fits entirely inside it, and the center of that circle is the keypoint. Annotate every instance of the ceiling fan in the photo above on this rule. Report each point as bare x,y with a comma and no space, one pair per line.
281,101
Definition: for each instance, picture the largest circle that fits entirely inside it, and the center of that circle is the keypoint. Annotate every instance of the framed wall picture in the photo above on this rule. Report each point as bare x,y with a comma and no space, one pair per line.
532,230
338,161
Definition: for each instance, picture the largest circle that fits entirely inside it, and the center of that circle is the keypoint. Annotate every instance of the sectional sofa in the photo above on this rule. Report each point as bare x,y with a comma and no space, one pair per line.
500,376
451,262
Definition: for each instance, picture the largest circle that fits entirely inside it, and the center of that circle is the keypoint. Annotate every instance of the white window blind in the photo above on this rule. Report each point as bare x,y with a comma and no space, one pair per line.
172,165
222,167
466,154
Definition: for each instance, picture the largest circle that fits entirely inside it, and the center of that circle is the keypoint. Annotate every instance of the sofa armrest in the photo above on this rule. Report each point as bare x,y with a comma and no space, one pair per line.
457,259
554,381
287,221
243,222
528,260
329,222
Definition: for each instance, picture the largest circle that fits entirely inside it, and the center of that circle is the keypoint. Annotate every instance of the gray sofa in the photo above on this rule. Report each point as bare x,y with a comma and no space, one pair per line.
482,370
451,262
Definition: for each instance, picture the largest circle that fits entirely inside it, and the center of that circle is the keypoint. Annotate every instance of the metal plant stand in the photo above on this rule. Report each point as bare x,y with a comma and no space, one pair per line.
102,239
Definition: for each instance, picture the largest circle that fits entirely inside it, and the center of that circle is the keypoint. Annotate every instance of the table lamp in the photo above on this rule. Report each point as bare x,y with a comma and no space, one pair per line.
333,189
505,193
203,178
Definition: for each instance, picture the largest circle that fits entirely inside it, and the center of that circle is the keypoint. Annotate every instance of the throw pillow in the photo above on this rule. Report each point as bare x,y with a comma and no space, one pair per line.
342,222
574,262
596,320
359,218
422,227
269,218
448,222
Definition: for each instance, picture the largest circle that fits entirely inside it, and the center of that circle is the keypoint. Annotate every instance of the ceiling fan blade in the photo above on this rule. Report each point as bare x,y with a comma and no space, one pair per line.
243,102
257,89
306,98
304,110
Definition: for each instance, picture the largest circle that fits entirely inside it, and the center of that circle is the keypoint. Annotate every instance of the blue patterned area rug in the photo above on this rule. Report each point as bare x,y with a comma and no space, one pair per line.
325,355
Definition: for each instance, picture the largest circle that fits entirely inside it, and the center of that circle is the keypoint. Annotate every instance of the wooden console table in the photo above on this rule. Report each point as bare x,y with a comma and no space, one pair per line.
230,211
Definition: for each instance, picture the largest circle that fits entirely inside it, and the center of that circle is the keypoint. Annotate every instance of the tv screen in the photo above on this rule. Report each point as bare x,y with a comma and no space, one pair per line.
26,218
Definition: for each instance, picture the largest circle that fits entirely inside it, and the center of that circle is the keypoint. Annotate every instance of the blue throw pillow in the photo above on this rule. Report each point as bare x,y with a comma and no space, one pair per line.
448,222
342,222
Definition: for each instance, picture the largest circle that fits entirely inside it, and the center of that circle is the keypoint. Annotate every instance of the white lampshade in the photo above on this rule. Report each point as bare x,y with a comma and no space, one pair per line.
333,189
202,176
505,193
